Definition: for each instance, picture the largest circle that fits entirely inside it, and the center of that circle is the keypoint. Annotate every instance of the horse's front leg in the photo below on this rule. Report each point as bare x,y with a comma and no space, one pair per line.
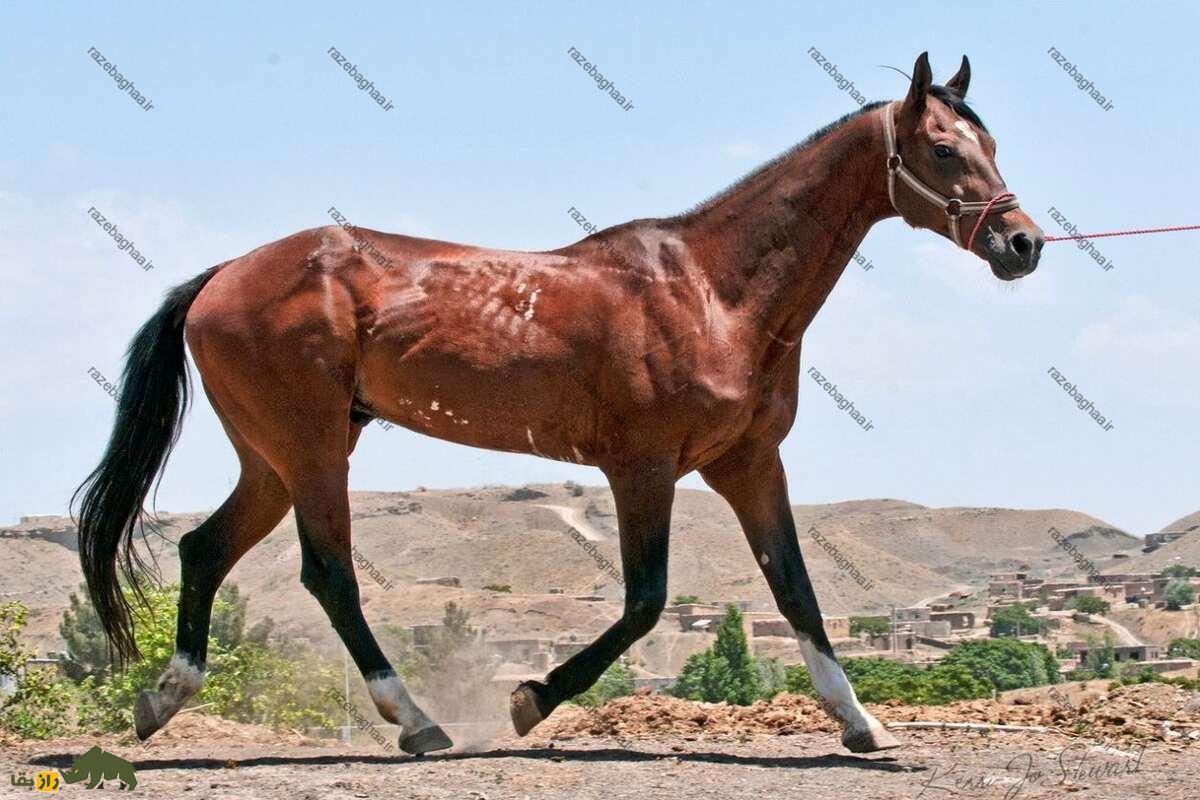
755,486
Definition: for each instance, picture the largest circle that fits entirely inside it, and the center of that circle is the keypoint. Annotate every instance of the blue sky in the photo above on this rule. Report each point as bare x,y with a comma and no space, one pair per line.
496,132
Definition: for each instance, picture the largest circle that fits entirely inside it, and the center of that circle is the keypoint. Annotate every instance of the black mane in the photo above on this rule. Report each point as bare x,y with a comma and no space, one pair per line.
957,104
948,96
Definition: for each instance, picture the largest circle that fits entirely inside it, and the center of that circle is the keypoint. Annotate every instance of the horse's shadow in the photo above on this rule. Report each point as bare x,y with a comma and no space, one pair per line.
537,754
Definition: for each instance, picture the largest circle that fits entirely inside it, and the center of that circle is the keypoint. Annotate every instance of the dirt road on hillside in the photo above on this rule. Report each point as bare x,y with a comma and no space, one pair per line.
577,520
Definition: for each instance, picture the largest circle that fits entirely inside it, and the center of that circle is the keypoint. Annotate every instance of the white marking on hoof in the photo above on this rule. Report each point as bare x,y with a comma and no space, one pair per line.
181,677
859,728
175,686
395,705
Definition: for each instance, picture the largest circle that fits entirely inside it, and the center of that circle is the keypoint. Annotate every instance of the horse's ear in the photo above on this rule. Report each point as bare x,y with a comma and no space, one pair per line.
922,79
961,80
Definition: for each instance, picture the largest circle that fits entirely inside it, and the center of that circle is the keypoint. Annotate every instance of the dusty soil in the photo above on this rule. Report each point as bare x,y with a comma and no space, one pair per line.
654,748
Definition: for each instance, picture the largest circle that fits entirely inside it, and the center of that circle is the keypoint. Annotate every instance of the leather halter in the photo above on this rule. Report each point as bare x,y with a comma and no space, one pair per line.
954,208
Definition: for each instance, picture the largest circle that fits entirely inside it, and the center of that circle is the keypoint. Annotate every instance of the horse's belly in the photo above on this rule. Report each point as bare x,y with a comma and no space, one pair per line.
532,410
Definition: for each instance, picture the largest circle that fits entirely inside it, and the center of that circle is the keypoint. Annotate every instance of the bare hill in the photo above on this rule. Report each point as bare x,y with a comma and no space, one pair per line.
520,538
1189,523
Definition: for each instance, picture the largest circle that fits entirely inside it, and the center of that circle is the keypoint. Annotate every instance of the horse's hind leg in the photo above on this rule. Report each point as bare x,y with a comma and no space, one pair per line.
754,484
319,488
206,555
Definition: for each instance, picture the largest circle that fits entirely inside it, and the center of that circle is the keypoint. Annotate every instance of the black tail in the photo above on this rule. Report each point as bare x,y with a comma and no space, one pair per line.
153,400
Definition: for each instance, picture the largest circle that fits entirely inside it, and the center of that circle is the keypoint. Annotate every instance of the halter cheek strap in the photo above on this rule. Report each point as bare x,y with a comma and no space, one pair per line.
954,208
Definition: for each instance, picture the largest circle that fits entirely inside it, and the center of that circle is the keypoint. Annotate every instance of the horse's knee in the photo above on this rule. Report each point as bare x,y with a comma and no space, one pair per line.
642,611
327,578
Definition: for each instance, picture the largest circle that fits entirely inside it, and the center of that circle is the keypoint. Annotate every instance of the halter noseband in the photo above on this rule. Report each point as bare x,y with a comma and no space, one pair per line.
954,208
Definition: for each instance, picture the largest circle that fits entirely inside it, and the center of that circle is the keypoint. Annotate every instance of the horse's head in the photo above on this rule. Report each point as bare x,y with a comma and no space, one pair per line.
942,175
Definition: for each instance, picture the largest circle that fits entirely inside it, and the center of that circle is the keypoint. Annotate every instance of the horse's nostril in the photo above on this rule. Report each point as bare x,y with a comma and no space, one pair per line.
1021,244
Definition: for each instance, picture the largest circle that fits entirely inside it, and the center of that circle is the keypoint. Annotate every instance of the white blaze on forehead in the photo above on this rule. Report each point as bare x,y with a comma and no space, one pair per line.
834,687
965,128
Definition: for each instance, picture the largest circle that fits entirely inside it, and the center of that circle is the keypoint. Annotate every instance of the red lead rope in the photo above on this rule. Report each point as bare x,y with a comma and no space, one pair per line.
1122,233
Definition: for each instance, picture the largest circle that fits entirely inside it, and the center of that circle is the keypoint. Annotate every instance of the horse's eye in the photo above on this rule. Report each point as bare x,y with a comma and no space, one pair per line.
942,151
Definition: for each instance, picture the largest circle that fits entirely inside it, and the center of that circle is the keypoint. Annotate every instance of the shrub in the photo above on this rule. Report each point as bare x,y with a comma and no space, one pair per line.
877,680
875,626
1178,595
1184,648
40,706
1015,619
499,587
772,677
1090,604
617,681
685,599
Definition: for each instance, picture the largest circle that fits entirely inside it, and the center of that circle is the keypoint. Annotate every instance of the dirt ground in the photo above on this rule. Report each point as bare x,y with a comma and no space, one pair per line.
655,748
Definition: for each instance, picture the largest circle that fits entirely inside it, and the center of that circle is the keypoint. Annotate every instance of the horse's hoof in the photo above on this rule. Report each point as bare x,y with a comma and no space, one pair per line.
145,717
523,708
425,740
869,740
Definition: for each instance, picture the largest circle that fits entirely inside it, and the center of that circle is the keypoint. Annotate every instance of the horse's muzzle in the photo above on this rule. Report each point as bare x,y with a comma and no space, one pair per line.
1022,249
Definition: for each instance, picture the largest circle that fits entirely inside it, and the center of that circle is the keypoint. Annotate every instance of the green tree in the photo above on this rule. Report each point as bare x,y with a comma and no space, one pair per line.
13,654
772,677
1005,663
875,626
1014,619
1180,571
1090,604
1100,661
685,599
40,705
617,681
1178,595
456,664
725,672
87,648
1184,648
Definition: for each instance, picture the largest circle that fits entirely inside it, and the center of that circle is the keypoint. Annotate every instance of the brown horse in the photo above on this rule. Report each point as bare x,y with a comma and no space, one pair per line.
649,350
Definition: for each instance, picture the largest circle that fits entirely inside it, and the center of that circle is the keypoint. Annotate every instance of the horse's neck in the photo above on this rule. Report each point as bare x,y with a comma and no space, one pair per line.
775,245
